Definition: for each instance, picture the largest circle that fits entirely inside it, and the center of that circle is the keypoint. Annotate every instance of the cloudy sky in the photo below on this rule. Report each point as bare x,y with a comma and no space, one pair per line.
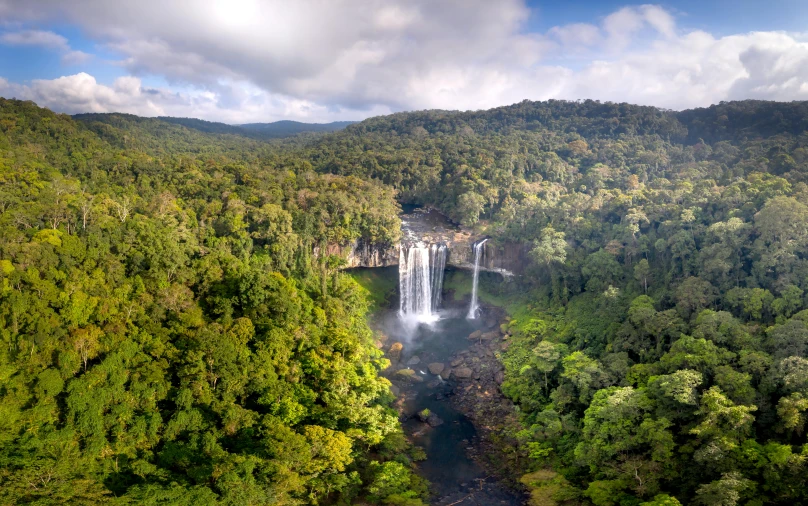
243,61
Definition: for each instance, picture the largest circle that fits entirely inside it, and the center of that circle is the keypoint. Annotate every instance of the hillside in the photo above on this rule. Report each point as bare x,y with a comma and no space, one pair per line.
172,336
168,335
660,354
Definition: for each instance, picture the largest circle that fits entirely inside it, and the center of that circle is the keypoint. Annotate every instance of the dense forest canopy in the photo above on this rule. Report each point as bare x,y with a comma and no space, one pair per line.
168,336
171,336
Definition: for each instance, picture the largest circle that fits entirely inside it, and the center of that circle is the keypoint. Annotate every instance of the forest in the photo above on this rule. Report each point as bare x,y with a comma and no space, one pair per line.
174,334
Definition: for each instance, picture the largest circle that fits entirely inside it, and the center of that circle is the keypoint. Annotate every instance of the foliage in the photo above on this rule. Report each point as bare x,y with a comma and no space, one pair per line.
172,329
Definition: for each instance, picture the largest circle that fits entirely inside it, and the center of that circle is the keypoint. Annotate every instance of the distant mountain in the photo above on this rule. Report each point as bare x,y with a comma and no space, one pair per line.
210,127
274,130
285,128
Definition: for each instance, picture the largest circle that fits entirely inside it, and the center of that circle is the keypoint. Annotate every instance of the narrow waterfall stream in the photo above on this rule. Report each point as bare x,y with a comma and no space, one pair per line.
474,307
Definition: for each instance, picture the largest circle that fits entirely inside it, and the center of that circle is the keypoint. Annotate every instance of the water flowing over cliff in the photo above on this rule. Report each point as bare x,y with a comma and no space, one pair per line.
420,269
478,253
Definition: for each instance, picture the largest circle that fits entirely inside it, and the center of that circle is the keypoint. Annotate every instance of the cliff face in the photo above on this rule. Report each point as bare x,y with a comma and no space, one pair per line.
506,257
431,227
364,254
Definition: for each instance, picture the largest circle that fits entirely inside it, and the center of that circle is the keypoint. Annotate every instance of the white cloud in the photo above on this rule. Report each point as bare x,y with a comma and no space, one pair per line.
35,38
75,57
82,93
577,34
46,39
251,60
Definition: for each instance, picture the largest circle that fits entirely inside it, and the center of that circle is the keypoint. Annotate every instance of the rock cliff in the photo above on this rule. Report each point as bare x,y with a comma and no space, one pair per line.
431,227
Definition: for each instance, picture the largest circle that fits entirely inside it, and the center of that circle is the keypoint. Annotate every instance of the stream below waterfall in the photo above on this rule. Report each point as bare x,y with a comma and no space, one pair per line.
455,476
433,362
435,365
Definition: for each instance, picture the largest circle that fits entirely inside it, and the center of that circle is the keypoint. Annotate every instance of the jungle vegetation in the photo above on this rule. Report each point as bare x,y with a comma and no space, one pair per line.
173,333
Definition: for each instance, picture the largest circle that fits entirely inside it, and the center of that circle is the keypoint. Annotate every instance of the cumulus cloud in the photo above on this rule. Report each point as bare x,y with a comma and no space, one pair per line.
240,59
81,93
35,38
46,39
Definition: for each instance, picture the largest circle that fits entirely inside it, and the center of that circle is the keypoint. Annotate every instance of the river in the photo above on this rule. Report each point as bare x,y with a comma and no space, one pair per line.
456,477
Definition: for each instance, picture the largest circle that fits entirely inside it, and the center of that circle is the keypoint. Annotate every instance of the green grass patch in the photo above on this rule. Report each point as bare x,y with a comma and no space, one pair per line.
381,284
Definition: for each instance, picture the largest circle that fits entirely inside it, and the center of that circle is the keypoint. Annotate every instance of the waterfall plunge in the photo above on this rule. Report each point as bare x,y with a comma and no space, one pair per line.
474,307
420,279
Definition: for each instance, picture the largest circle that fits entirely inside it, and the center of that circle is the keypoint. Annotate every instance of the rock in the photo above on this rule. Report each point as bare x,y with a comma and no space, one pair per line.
434,383
489,335
424,415
503,328
456,361
434,420
414,360
476,334
394,353
436,367
395,390
463,373
408,374
499,377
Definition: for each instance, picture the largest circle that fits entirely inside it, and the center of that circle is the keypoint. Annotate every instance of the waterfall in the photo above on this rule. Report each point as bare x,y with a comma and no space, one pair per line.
474,307
438,262
420,279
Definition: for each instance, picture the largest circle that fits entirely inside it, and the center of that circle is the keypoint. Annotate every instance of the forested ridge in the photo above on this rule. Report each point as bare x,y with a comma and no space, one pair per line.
170,335
167,335
662,354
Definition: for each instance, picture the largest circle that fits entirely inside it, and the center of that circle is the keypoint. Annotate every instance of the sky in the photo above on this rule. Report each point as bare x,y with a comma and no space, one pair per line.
240,61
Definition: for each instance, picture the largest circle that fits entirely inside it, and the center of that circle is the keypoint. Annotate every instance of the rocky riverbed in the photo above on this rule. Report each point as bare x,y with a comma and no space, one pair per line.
447,387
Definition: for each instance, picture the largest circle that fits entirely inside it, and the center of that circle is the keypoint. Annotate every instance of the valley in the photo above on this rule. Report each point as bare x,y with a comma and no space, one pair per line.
549,303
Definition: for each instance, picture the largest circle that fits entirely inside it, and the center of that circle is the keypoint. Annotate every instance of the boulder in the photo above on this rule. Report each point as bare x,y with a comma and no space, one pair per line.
394,353
408,374
499,377
415,360
456,361
395,390
476,334
463,373
489,335
434,420
436,367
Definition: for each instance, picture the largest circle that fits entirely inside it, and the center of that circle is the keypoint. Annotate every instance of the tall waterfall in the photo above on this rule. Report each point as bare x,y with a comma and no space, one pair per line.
474,307
420,279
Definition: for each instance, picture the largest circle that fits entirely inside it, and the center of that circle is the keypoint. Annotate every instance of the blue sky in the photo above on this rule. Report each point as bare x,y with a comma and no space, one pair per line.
311,60
720,17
